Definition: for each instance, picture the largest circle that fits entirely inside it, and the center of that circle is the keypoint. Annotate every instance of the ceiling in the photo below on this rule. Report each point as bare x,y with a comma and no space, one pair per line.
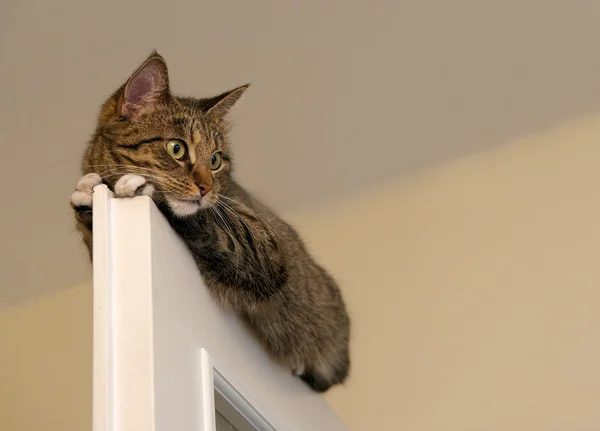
346,95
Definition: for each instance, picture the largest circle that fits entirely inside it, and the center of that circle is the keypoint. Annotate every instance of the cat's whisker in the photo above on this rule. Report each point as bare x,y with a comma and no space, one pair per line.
231,211
117,165
213,211
226,225
166,183
135,169
102,166
251,212
154,174
61,170
154,178
233,238
241,220
98,166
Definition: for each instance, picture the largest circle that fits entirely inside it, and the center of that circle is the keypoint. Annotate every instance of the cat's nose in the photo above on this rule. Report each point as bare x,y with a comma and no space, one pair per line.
204,189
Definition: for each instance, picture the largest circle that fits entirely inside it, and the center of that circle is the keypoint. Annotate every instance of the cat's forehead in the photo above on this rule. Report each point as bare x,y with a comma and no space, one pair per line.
183,121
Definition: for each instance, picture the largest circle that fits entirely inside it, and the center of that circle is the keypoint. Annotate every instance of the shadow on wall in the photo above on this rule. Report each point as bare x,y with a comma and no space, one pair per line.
412,84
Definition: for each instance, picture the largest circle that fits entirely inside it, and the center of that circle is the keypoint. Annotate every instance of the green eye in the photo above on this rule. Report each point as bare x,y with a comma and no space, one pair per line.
215,161
176,149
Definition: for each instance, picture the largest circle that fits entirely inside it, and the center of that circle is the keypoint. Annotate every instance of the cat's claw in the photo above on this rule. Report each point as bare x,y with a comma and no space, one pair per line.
130,185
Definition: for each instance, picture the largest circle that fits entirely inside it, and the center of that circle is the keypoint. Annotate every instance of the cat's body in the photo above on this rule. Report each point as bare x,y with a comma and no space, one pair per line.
252,262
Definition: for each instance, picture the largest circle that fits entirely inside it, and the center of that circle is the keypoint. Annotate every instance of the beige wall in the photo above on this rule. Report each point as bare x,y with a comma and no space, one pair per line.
474,289
46,363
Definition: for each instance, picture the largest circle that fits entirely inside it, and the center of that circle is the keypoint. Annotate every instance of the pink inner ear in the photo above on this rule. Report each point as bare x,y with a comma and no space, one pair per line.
145,87
142,86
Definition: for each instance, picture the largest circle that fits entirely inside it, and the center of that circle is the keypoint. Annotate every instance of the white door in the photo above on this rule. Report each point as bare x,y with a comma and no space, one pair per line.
166,358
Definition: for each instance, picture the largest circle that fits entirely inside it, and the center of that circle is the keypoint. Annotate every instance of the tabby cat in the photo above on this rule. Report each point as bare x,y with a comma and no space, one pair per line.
176,150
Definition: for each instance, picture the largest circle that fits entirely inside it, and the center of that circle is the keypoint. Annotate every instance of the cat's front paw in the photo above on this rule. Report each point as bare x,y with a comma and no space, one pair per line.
130,185
82,198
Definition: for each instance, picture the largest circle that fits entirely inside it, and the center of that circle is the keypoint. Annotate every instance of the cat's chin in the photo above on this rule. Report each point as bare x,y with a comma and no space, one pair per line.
183,208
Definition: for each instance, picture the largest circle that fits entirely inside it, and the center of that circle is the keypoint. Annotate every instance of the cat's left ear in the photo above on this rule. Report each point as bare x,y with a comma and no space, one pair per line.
149,85
220,105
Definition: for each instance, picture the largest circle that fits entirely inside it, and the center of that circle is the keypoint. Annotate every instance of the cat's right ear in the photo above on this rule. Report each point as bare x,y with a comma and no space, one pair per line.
148,86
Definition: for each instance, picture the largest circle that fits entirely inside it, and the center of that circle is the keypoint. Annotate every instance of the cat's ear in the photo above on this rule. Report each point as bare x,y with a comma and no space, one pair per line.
220,105
149,85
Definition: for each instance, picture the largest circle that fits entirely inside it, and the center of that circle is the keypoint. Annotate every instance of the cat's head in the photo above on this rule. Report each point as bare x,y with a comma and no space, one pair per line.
178,144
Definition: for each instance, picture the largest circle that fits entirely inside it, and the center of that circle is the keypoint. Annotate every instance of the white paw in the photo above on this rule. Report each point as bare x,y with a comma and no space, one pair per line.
83,194
130,185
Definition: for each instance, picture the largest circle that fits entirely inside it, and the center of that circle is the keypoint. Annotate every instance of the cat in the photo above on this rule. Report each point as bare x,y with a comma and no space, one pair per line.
176,150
